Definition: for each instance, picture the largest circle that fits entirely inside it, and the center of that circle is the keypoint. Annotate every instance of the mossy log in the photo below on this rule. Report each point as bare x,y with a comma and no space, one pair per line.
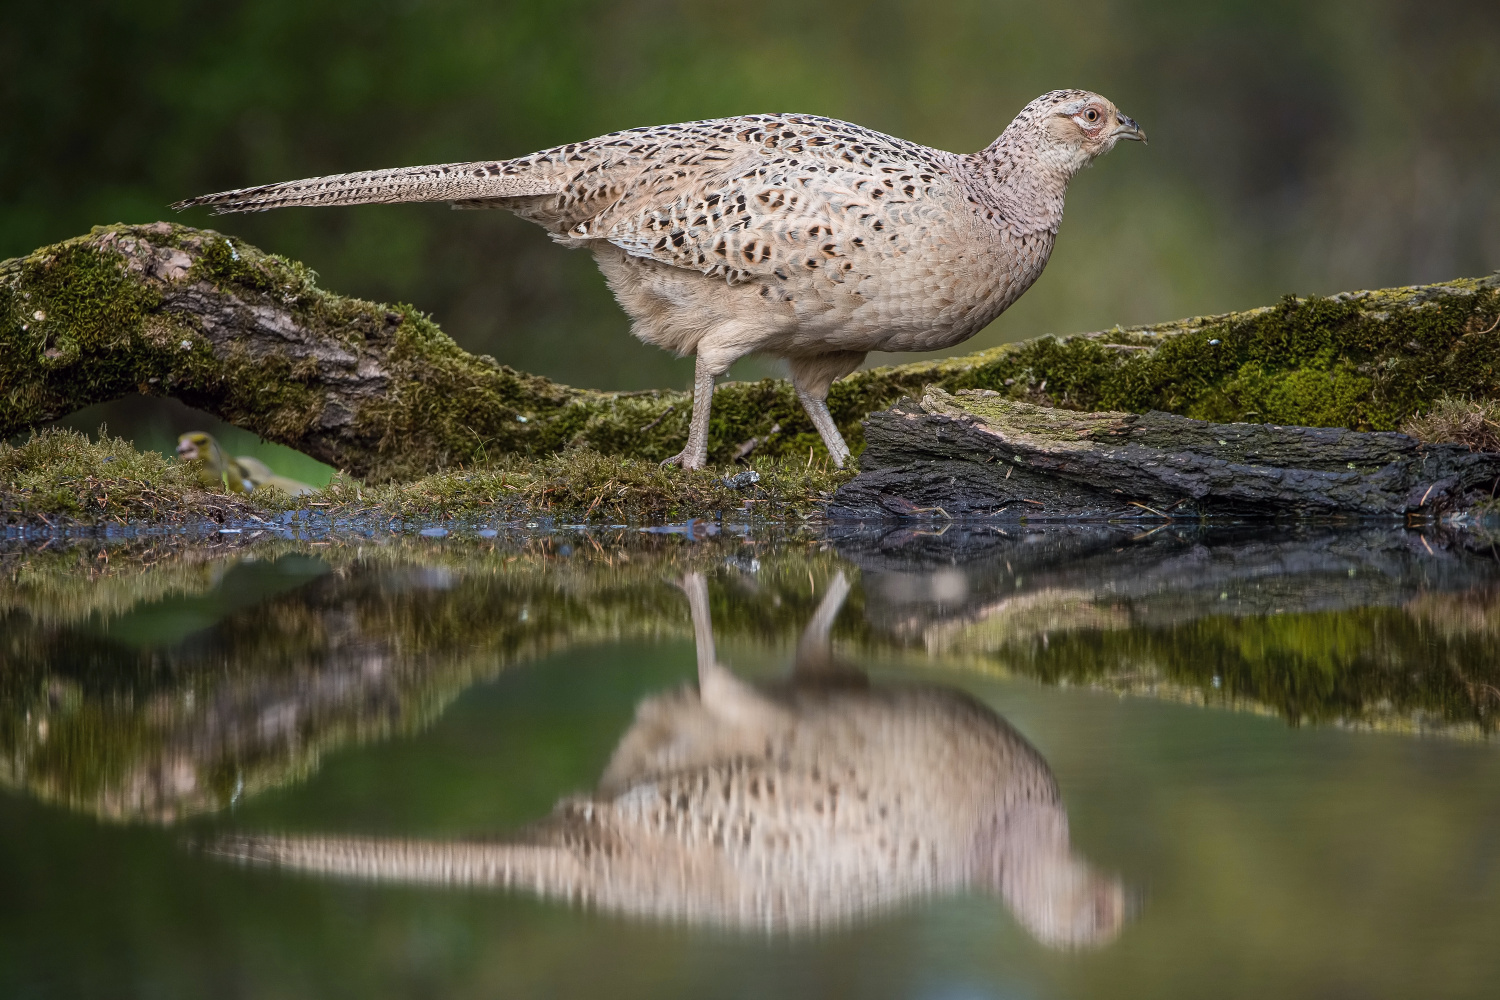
979,454
380,392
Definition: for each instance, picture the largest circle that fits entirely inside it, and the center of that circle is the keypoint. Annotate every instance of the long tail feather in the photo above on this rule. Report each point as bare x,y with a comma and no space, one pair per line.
479,181
545,870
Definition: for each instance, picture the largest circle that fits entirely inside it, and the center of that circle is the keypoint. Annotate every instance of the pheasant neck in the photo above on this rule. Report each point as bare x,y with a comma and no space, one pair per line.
1024,181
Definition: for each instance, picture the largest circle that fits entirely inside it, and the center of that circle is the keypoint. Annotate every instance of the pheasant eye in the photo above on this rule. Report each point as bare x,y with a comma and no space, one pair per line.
1091,114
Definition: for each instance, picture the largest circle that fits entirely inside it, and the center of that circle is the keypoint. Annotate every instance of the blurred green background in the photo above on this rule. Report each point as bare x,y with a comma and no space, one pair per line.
1295,146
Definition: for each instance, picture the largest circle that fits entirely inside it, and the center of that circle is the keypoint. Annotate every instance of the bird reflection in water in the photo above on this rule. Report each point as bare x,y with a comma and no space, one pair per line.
810,803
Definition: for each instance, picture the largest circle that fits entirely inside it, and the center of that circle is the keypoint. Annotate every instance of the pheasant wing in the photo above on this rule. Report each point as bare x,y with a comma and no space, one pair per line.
768,196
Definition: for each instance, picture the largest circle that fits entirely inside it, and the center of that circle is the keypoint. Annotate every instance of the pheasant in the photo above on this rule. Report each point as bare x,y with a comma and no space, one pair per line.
788,235
808,804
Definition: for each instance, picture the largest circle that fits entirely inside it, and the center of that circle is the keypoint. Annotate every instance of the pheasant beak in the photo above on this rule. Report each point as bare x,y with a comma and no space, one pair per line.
1128,129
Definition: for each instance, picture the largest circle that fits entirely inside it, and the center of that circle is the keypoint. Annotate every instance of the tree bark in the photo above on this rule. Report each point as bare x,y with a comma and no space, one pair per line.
980,455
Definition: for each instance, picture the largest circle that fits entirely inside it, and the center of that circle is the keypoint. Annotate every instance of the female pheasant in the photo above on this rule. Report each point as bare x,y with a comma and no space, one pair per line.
788,235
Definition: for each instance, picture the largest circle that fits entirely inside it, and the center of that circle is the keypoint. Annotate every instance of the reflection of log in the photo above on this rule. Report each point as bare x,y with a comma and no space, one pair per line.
980,455
1377,627
1169,577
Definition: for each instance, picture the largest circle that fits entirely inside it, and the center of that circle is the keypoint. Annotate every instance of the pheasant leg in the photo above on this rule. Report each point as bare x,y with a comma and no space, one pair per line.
815,648
732,701
695,454
817,409
696,588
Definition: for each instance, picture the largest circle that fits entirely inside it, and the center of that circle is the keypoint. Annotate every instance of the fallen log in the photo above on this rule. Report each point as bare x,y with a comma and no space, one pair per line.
382,393
978,454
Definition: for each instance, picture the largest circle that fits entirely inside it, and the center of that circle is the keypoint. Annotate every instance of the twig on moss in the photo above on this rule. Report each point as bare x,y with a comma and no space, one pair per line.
662,416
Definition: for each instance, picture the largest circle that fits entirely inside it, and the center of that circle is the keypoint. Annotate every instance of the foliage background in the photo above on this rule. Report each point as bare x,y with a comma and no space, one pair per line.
1295,146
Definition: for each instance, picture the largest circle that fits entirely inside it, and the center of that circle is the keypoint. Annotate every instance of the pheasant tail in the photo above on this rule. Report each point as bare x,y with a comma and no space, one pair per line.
482,181
545,870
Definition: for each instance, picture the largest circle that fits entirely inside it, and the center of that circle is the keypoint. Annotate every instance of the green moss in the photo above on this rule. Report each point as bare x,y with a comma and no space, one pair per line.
68,316
62,473
271,394
585,485
1365,360
1314,396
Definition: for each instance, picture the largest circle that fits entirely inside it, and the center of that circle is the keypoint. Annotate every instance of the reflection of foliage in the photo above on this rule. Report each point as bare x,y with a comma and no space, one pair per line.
1430,665
291,655
1470,614
375,647
69,583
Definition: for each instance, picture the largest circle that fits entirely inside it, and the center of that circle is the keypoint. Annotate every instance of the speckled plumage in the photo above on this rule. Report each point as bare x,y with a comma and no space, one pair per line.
805,805
795,236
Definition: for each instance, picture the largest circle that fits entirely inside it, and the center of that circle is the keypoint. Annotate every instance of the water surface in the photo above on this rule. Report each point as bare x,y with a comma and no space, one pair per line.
1268,754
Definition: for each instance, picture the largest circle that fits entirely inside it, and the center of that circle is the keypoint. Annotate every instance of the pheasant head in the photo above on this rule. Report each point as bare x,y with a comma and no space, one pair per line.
1026,171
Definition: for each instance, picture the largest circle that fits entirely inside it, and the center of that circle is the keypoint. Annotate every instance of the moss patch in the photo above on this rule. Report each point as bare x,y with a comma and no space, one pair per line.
65,474
583,485
1364,360
1470,422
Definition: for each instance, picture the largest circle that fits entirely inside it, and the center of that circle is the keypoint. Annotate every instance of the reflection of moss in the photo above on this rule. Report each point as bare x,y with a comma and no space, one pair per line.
377,647
1023,618
67,584
1468,615
1430,665
400,626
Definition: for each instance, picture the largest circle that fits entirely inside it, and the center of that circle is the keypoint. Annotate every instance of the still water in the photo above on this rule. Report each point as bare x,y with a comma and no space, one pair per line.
1085,762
